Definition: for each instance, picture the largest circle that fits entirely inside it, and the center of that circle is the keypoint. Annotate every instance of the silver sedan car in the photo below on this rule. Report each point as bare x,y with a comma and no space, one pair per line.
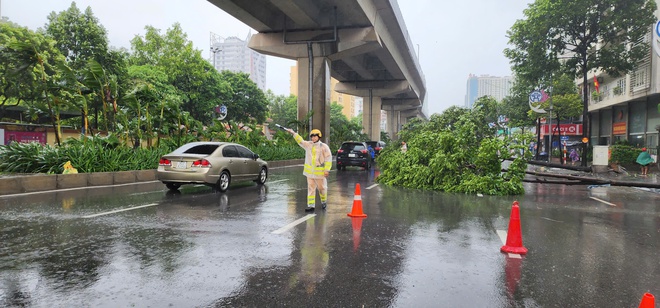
216,164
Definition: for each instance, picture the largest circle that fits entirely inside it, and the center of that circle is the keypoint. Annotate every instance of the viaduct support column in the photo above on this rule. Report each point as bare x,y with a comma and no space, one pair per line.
371,115
393,123
314,78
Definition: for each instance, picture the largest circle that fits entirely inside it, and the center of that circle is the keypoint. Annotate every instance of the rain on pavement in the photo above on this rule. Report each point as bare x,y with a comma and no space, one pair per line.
254,246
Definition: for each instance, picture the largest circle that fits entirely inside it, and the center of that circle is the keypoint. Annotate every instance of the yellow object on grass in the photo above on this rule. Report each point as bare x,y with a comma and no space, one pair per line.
68,168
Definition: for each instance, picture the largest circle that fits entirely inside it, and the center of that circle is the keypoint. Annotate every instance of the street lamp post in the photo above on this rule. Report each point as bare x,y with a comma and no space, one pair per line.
214,50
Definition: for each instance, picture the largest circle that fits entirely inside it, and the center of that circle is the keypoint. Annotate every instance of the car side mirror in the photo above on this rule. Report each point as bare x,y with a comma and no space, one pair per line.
255,156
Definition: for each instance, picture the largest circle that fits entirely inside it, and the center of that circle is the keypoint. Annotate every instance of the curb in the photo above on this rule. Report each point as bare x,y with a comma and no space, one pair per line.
46,182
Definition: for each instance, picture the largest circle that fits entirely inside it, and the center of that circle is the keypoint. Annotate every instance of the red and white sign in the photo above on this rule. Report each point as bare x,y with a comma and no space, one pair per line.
11,136
564,129
619,128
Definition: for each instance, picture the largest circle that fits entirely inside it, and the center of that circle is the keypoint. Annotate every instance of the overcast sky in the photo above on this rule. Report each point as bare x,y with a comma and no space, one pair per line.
455,39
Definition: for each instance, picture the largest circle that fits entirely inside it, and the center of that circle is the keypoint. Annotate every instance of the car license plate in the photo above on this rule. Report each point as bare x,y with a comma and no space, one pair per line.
351,155
181,165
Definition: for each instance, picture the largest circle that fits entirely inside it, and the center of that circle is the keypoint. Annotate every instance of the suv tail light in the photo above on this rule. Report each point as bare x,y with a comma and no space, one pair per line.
363,151
340,151
378,148
203,163
165,162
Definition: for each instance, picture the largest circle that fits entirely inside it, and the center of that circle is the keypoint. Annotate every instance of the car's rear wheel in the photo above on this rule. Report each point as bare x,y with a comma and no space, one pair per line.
172,186
263,176
224,181
368,166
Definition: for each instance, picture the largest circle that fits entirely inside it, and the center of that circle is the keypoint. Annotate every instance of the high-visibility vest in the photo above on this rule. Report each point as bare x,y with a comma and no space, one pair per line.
318,157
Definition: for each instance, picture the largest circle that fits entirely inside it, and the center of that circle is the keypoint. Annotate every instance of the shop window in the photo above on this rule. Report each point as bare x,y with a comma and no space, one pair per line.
637,141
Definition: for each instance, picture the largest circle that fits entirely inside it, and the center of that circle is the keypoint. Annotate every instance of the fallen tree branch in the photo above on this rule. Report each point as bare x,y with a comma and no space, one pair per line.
583,180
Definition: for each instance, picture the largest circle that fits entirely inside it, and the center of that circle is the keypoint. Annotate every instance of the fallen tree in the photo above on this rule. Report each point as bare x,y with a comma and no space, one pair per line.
566,179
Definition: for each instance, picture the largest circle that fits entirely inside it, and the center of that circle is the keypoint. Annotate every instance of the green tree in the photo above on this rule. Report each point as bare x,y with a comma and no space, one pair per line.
516,106
84,42
36,57
344,129
585,35
464,156
19,81
79,36
150,103
246,100
282,109
198,84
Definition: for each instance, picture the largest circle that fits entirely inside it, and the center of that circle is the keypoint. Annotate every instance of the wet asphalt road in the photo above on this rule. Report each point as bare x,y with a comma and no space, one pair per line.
256,247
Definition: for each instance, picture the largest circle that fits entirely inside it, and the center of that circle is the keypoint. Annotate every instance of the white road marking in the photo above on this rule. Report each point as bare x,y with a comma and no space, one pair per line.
372,186
72,189
293,224
503,234
122,210
550,219
608,203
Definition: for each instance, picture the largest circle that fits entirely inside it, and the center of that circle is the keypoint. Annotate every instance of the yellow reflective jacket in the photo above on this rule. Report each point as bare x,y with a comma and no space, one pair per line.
318,157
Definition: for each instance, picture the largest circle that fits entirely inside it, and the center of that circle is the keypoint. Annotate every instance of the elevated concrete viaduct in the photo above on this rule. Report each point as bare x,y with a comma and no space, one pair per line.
363,44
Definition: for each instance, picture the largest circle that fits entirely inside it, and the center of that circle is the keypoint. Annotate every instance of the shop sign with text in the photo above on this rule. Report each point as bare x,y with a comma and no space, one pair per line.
619,128
564,129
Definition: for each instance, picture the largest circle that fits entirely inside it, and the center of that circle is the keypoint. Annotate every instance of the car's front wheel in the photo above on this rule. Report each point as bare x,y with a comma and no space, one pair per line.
263,176
172,186
224,181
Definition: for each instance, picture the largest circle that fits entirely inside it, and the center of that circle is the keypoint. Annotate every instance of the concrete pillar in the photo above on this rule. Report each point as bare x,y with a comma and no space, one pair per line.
320,94
371,116
393,123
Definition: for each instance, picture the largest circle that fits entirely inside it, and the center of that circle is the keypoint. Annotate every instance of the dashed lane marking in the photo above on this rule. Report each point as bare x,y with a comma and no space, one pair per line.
293,224
121,210
372,186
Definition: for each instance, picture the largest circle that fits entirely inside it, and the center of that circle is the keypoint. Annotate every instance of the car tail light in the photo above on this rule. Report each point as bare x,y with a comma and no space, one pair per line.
203,163
378,148
164,162
340,151
363,151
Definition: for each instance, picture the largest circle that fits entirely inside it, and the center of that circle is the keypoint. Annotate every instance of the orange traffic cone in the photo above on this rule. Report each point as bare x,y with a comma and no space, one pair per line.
514,243
357,204
648,301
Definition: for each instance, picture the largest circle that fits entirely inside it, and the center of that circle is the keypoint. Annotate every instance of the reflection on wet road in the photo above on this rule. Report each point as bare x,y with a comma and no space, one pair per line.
140,245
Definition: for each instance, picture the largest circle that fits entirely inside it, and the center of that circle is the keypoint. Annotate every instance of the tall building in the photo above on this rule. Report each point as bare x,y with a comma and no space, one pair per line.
486,85
233,54
627,107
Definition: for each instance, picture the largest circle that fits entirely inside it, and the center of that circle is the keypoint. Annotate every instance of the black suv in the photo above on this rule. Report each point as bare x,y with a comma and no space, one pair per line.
377,146
352,153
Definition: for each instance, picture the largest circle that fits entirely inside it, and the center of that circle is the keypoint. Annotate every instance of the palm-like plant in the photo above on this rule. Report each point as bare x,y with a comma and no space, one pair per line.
32,56
106,89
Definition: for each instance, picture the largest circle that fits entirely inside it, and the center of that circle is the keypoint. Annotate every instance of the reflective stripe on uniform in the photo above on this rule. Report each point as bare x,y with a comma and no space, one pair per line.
314,170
